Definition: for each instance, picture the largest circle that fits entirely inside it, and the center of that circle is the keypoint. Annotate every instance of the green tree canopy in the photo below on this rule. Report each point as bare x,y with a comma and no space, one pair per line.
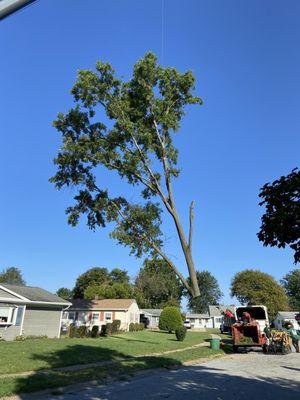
127,127
281,222
109,290
252,287
13,276
159,284
118,275
210,293
94,276
291,284
64,293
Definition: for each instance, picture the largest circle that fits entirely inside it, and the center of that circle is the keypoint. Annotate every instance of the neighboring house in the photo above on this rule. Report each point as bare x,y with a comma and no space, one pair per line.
26,310
213,319
199,321
150,317
100,312
216,313
284,316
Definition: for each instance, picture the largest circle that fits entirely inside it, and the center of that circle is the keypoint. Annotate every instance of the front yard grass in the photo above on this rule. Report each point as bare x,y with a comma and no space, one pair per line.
33,355
40,354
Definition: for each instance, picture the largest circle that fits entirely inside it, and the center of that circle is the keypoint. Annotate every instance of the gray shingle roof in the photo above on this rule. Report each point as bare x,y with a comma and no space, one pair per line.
153,311
288,314
104,304
34,293
214,311
205,316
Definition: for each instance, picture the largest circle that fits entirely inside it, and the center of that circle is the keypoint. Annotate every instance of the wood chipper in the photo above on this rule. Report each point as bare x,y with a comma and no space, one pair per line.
247,332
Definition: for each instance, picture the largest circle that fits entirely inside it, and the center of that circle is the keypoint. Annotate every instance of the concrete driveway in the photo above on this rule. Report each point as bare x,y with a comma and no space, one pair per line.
252,376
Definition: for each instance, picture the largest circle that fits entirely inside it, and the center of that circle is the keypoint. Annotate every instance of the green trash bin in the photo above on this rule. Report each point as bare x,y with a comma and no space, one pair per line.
215,344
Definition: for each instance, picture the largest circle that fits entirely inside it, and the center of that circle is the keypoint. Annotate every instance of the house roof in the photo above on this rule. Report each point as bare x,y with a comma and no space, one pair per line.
105,304
35,294
203,316
215,311
288,314
153,311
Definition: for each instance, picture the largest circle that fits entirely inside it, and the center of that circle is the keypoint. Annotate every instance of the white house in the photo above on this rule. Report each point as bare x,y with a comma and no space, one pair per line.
284,316
199,321
100,312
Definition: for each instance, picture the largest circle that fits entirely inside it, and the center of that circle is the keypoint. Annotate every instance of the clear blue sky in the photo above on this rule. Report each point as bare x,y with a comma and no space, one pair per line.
246,59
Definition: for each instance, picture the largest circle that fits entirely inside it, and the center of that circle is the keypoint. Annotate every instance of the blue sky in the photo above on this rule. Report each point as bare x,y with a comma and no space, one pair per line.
246,59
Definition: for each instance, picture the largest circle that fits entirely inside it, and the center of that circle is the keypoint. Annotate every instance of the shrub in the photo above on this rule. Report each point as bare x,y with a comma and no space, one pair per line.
180,333
131,327
115,326
109,328
81,331
170,319
20,338
33,337
103,330
141,326
136,326
95,331
72,331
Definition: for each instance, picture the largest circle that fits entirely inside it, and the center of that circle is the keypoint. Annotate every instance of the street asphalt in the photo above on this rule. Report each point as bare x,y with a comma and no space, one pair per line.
252,376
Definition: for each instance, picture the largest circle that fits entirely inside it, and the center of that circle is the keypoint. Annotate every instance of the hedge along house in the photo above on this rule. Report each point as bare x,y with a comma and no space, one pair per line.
101,312
29,311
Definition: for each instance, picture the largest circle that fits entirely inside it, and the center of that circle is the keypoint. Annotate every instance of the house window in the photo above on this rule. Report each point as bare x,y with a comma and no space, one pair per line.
7,315
108,316
4,315
19,316
71,315
95,317
82,316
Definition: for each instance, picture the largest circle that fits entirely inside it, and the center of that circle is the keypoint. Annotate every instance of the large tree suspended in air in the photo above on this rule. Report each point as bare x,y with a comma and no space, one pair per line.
128,127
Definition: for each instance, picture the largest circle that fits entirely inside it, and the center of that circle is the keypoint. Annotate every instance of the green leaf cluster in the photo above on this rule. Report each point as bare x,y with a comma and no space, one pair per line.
126,127
281,222
159,284
254,287
291,284
211,293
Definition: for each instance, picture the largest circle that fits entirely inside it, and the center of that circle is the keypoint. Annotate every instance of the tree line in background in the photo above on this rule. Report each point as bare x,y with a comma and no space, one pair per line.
156,286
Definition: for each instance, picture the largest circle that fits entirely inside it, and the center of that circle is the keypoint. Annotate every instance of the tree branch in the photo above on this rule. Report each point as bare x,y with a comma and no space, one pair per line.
156,248
191,225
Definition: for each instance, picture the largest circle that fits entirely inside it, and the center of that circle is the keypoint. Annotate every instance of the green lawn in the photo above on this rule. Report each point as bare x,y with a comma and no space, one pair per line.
33,355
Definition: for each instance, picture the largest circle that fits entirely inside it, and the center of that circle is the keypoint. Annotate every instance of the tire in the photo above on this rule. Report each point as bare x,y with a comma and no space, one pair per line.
235,348
265,349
